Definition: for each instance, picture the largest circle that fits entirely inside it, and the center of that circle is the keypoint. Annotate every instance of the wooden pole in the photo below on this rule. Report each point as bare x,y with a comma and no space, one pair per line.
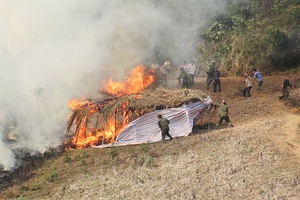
115,124
209,119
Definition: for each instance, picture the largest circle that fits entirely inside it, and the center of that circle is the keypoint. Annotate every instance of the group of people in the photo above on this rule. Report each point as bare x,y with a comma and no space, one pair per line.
188,72
186,77
214,76
162,72
257,75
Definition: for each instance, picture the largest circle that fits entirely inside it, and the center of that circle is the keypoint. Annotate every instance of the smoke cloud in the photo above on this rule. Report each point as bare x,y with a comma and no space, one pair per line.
55,50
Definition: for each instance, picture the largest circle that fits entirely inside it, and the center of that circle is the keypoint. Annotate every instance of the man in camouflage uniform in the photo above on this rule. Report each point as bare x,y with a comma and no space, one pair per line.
185,78
163,124
223,114
184,66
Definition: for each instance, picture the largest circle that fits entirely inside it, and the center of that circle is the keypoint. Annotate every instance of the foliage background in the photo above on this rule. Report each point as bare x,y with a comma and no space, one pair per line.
261,34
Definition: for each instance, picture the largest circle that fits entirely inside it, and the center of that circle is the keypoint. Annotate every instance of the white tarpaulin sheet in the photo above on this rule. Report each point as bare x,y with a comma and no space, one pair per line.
145,128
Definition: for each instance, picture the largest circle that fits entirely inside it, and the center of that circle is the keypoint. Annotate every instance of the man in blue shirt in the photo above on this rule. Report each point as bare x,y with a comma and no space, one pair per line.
258,76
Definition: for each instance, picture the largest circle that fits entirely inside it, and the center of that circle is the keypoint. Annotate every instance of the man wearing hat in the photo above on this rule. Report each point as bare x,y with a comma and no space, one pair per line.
223,114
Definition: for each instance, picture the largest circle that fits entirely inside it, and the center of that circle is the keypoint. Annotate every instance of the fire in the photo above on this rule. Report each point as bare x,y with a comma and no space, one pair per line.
92,128
75,103
137,82
88,137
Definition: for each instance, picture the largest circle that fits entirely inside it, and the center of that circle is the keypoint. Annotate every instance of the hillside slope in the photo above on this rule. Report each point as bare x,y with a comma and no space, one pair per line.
256,159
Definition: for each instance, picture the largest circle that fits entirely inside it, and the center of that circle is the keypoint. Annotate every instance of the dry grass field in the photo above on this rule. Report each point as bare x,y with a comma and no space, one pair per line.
259,158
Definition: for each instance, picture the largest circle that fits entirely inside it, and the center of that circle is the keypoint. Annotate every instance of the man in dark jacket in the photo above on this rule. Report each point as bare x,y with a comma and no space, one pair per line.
217,81
285,92
223,114
163,124
210,75
185,78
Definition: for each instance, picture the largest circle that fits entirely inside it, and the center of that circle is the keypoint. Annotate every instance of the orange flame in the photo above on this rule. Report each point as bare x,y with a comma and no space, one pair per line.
75,103
137,82
89,135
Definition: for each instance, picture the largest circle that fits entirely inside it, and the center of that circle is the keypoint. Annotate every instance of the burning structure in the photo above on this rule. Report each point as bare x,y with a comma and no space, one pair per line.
100,121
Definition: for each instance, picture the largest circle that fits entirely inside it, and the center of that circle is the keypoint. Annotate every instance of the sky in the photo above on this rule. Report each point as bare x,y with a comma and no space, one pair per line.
54,50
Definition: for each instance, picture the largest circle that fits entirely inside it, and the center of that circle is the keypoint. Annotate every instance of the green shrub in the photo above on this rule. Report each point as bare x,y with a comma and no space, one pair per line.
67,159
78,158
21,197
149,161
52,176
113,152
35,186
85,155
145,148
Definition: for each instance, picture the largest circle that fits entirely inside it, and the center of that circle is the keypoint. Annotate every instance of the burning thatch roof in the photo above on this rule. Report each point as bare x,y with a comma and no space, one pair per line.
100,120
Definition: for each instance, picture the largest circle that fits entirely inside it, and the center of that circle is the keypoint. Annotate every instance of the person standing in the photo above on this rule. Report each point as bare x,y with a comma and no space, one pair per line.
155,66
164,74
217,81
156,69
191,72
184,66
223,114
258,76
210,74
184,77
247,89
285,92
168,66
163,124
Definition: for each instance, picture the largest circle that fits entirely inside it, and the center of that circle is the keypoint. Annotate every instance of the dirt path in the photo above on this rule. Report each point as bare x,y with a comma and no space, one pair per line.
261,107
287,137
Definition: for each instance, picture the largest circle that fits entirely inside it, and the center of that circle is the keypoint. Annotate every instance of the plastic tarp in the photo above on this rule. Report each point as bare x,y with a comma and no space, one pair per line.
145,128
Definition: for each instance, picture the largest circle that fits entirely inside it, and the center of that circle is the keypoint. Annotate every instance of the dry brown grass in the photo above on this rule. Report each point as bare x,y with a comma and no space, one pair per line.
145,102
256,159
126,109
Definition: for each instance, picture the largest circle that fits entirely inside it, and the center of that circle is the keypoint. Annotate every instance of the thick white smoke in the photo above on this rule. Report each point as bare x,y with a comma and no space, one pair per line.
55,50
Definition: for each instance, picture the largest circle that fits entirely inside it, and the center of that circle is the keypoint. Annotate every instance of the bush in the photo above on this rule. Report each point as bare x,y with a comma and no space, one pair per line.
52,176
